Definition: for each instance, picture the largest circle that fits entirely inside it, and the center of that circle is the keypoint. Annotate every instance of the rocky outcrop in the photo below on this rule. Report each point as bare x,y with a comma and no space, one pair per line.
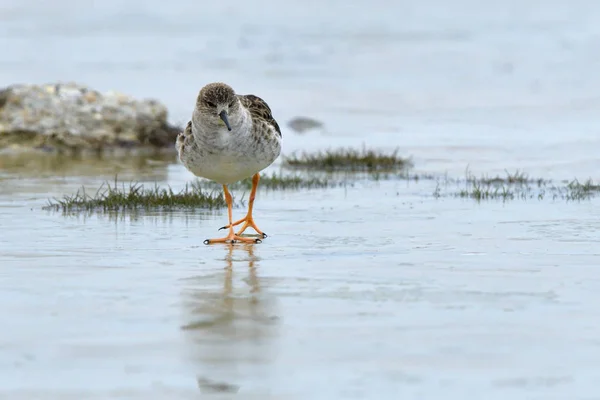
70,116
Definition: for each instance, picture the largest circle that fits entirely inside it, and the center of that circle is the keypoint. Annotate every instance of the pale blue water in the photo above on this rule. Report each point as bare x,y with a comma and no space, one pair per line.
378,291
495,85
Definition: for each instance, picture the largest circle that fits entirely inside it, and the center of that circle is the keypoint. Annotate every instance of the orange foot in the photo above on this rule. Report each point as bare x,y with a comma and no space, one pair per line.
248,222
232,238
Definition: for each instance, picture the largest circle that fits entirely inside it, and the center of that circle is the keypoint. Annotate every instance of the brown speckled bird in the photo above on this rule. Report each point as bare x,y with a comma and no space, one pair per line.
229,138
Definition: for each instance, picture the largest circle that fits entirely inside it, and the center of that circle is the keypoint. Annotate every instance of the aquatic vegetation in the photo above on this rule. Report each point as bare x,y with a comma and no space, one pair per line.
516,178
349,160
207,195
135,196
581,191
278,181
200,194
519,186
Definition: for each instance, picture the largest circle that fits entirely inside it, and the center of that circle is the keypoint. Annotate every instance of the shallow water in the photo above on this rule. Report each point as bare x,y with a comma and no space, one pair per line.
378,290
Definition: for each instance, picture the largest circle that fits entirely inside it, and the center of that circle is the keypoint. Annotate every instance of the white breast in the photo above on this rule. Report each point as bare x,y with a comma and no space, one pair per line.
228,157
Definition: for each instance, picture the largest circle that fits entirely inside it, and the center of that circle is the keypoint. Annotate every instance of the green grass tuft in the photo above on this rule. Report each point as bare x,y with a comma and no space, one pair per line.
348,160
520,186
582,191
200,194
276,181
516,178
136,197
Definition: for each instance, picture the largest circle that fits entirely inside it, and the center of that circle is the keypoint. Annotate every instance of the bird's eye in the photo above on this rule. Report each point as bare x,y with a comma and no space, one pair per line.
211,104
232,103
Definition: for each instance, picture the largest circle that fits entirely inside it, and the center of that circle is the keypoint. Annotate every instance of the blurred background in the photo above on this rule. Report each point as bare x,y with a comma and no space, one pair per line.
496,85
376,290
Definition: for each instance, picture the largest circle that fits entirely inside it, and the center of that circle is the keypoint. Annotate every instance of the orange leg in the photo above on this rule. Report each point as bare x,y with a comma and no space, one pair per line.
232,237
248,220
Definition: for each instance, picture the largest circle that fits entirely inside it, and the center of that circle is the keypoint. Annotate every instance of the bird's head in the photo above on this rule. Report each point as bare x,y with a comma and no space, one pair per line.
217,102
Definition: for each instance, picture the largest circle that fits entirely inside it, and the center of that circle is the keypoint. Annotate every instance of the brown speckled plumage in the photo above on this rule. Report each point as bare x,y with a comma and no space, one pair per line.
215,93
185,138
259,109
208,149
230,137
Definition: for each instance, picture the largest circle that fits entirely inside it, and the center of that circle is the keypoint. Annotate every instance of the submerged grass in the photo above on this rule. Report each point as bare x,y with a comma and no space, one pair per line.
349,160
199,194
136,197
581,191
520,186
208,195
350,167
516,178
277,181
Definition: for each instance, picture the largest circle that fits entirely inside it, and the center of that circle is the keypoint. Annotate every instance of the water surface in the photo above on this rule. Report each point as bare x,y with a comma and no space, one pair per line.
377,290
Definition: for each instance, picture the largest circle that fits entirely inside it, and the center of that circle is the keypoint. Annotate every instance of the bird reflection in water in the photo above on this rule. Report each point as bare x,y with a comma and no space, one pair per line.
230,326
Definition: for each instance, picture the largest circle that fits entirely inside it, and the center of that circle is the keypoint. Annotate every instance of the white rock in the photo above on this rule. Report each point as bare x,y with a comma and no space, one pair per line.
72,116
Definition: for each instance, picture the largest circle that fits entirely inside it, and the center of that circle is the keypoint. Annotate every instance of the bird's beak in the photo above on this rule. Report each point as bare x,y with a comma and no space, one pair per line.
223,115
